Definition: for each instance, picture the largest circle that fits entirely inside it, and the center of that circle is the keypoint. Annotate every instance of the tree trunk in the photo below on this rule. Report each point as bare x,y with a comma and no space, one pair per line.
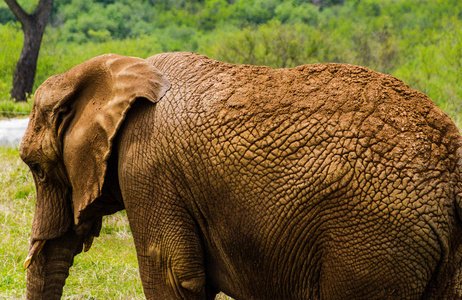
24,75
33,26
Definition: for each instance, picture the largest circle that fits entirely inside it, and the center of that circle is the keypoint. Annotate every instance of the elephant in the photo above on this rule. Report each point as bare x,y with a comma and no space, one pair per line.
323,181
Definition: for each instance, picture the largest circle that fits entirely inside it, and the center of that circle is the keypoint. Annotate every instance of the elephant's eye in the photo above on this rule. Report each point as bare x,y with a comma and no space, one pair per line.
37,170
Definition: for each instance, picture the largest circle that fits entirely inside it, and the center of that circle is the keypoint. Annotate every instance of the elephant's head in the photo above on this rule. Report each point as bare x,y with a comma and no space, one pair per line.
67,145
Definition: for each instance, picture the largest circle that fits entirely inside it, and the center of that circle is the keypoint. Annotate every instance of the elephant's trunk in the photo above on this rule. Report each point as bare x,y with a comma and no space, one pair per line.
48,271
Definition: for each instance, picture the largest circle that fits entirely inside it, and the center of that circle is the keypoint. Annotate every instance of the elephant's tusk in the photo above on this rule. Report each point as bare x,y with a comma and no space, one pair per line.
34,251
87,243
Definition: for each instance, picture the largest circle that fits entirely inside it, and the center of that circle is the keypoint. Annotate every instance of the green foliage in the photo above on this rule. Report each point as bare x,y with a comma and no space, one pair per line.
436,71
254,12
28,5
290,12
85,21
6,15
9,55
272,44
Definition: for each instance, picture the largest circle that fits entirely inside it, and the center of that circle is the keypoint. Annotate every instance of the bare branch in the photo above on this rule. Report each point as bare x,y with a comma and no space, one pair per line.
20,14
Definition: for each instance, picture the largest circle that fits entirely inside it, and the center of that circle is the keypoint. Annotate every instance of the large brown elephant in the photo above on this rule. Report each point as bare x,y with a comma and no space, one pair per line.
324,181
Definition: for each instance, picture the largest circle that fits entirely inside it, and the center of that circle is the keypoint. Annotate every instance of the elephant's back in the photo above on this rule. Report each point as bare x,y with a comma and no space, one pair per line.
351,99
329,102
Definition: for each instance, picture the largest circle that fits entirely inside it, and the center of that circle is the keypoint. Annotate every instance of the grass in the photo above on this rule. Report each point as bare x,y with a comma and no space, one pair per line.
16,211
10,109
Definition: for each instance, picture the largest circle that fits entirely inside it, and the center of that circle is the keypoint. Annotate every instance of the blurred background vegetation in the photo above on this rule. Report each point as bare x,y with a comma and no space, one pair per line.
418,41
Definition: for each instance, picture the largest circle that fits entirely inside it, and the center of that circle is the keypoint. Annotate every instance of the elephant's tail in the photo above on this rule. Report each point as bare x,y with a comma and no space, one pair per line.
458,192
459,201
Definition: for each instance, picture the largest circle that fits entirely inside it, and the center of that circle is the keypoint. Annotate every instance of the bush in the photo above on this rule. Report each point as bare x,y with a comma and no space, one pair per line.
435,70
273,44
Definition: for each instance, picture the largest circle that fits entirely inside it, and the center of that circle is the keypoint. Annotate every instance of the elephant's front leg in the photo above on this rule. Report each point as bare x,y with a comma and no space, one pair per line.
169,250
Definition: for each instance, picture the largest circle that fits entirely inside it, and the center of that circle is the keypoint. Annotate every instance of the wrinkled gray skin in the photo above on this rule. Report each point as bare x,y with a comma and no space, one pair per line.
320,182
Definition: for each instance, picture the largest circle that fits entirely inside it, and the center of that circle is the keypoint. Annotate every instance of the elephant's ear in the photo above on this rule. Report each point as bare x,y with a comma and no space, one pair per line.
94,99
